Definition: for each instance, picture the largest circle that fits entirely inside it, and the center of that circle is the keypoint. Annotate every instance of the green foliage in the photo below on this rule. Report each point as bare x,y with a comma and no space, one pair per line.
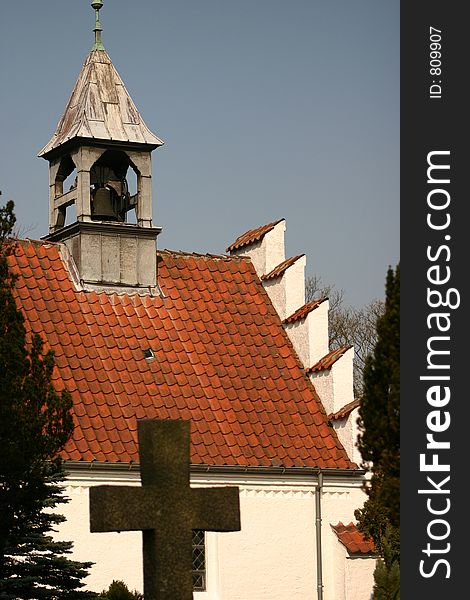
118,590
387,572
379,441
35,424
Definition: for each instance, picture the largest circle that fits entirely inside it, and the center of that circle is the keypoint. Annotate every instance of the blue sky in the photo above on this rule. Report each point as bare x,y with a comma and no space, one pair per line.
269,109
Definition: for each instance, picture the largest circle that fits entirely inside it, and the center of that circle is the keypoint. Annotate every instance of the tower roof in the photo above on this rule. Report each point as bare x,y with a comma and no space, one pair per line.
100,108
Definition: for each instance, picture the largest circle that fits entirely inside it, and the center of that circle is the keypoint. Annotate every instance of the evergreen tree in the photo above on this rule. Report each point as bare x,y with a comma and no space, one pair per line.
379,442
387,572
118,590
35,424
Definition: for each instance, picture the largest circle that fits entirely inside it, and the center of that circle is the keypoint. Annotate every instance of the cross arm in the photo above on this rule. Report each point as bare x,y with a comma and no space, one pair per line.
121,508
216,509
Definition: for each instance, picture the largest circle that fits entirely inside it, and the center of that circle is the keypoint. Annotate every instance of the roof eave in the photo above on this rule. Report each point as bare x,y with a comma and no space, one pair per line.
82,466
49,153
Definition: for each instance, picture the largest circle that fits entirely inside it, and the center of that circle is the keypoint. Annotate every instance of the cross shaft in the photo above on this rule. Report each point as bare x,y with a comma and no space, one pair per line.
166,509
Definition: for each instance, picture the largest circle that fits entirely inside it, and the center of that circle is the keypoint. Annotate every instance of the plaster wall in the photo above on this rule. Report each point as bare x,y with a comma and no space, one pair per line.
344,578
273,557
287,292
294,280
268,252
335,385
309,336
323,384
353,575
342,372
273,246
276,290
359,573
347,431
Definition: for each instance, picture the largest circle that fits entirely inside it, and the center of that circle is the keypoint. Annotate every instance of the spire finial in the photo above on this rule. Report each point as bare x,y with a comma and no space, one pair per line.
98,45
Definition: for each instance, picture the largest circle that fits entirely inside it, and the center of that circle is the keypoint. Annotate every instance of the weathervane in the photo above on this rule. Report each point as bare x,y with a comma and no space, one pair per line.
98,45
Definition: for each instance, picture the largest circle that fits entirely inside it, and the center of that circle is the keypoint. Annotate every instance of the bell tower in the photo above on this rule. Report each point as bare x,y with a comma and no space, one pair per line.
100,141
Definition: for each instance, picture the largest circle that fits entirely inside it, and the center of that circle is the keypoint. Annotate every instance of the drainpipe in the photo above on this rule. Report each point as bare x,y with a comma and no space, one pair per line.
318,493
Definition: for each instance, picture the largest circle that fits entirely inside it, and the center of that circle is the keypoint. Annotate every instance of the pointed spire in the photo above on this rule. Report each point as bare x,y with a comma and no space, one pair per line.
98,45
100,107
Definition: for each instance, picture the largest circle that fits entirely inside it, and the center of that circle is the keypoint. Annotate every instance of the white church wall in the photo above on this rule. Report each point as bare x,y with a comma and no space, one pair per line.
276,290
273,557
342,371
348,431
353,575
287,292
338,504
323,384
116,555
294,280
335,385
309,336
359,572
268,252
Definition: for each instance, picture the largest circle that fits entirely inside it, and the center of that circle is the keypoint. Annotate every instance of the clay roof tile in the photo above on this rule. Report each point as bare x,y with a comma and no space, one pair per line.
281,268
353,539
252,236
328,361
221,359
304,310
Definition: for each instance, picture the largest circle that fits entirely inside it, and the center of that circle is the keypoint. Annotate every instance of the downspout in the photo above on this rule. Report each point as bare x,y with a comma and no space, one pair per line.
318,494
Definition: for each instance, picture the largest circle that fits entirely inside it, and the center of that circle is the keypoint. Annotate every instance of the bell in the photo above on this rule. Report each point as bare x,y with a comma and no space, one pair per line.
102,206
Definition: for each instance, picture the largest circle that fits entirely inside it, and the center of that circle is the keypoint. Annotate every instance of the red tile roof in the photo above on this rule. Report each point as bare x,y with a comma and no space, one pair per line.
220,358
344,412
328,361
304,310
281,268
253,235
353,539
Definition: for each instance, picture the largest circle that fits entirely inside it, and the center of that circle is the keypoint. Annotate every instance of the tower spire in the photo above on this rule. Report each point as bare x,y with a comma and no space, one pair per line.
98,45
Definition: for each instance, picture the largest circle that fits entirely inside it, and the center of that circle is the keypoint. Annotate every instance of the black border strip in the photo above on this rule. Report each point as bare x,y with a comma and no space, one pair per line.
434,120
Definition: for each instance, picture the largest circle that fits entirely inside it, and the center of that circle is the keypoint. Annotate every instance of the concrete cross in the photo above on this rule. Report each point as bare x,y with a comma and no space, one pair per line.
166,509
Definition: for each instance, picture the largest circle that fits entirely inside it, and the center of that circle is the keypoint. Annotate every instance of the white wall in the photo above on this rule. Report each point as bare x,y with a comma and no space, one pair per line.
309,336
348,431
273,557
335,385
287,292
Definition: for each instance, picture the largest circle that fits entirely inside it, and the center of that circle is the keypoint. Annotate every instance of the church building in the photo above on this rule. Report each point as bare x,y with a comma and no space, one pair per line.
225,341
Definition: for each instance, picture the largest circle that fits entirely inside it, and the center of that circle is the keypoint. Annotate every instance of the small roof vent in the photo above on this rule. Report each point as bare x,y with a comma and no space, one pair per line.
148,354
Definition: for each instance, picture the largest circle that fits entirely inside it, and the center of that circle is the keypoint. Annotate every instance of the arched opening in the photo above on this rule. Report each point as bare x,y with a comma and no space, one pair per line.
113,188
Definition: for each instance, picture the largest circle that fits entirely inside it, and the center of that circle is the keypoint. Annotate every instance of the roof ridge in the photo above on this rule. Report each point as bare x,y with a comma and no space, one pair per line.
329,359
344,411
202,255
253,235
304,310
281,267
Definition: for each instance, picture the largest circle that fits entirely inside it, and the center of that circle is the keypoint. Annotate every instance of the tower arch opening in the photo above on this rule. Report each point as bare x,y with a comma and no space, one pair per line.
113,187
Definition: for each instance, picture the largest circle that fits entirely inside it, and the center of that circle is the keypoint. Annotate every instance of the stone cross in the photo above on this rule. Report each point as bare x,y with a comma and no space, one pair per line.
166,509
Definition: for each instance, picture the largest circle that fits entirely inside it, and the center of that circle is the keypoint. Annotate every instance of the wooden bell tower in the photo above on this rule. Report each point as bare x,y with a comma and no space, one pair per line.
99,141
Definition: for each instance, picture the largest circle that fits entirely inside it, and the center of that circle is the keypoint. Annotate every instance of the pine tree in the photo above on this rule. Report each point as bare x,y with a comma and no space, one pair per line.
387,572
35,424
118,590
379,442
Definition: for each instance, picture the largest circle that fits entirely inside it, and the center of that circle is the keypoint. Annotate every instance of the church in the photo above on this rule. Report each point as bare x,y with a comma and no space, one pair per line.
225,341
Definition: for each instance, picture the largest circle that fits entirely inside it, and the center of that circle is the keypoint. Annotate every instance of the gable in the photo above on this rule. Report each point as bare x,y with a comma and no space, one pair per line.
212,349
